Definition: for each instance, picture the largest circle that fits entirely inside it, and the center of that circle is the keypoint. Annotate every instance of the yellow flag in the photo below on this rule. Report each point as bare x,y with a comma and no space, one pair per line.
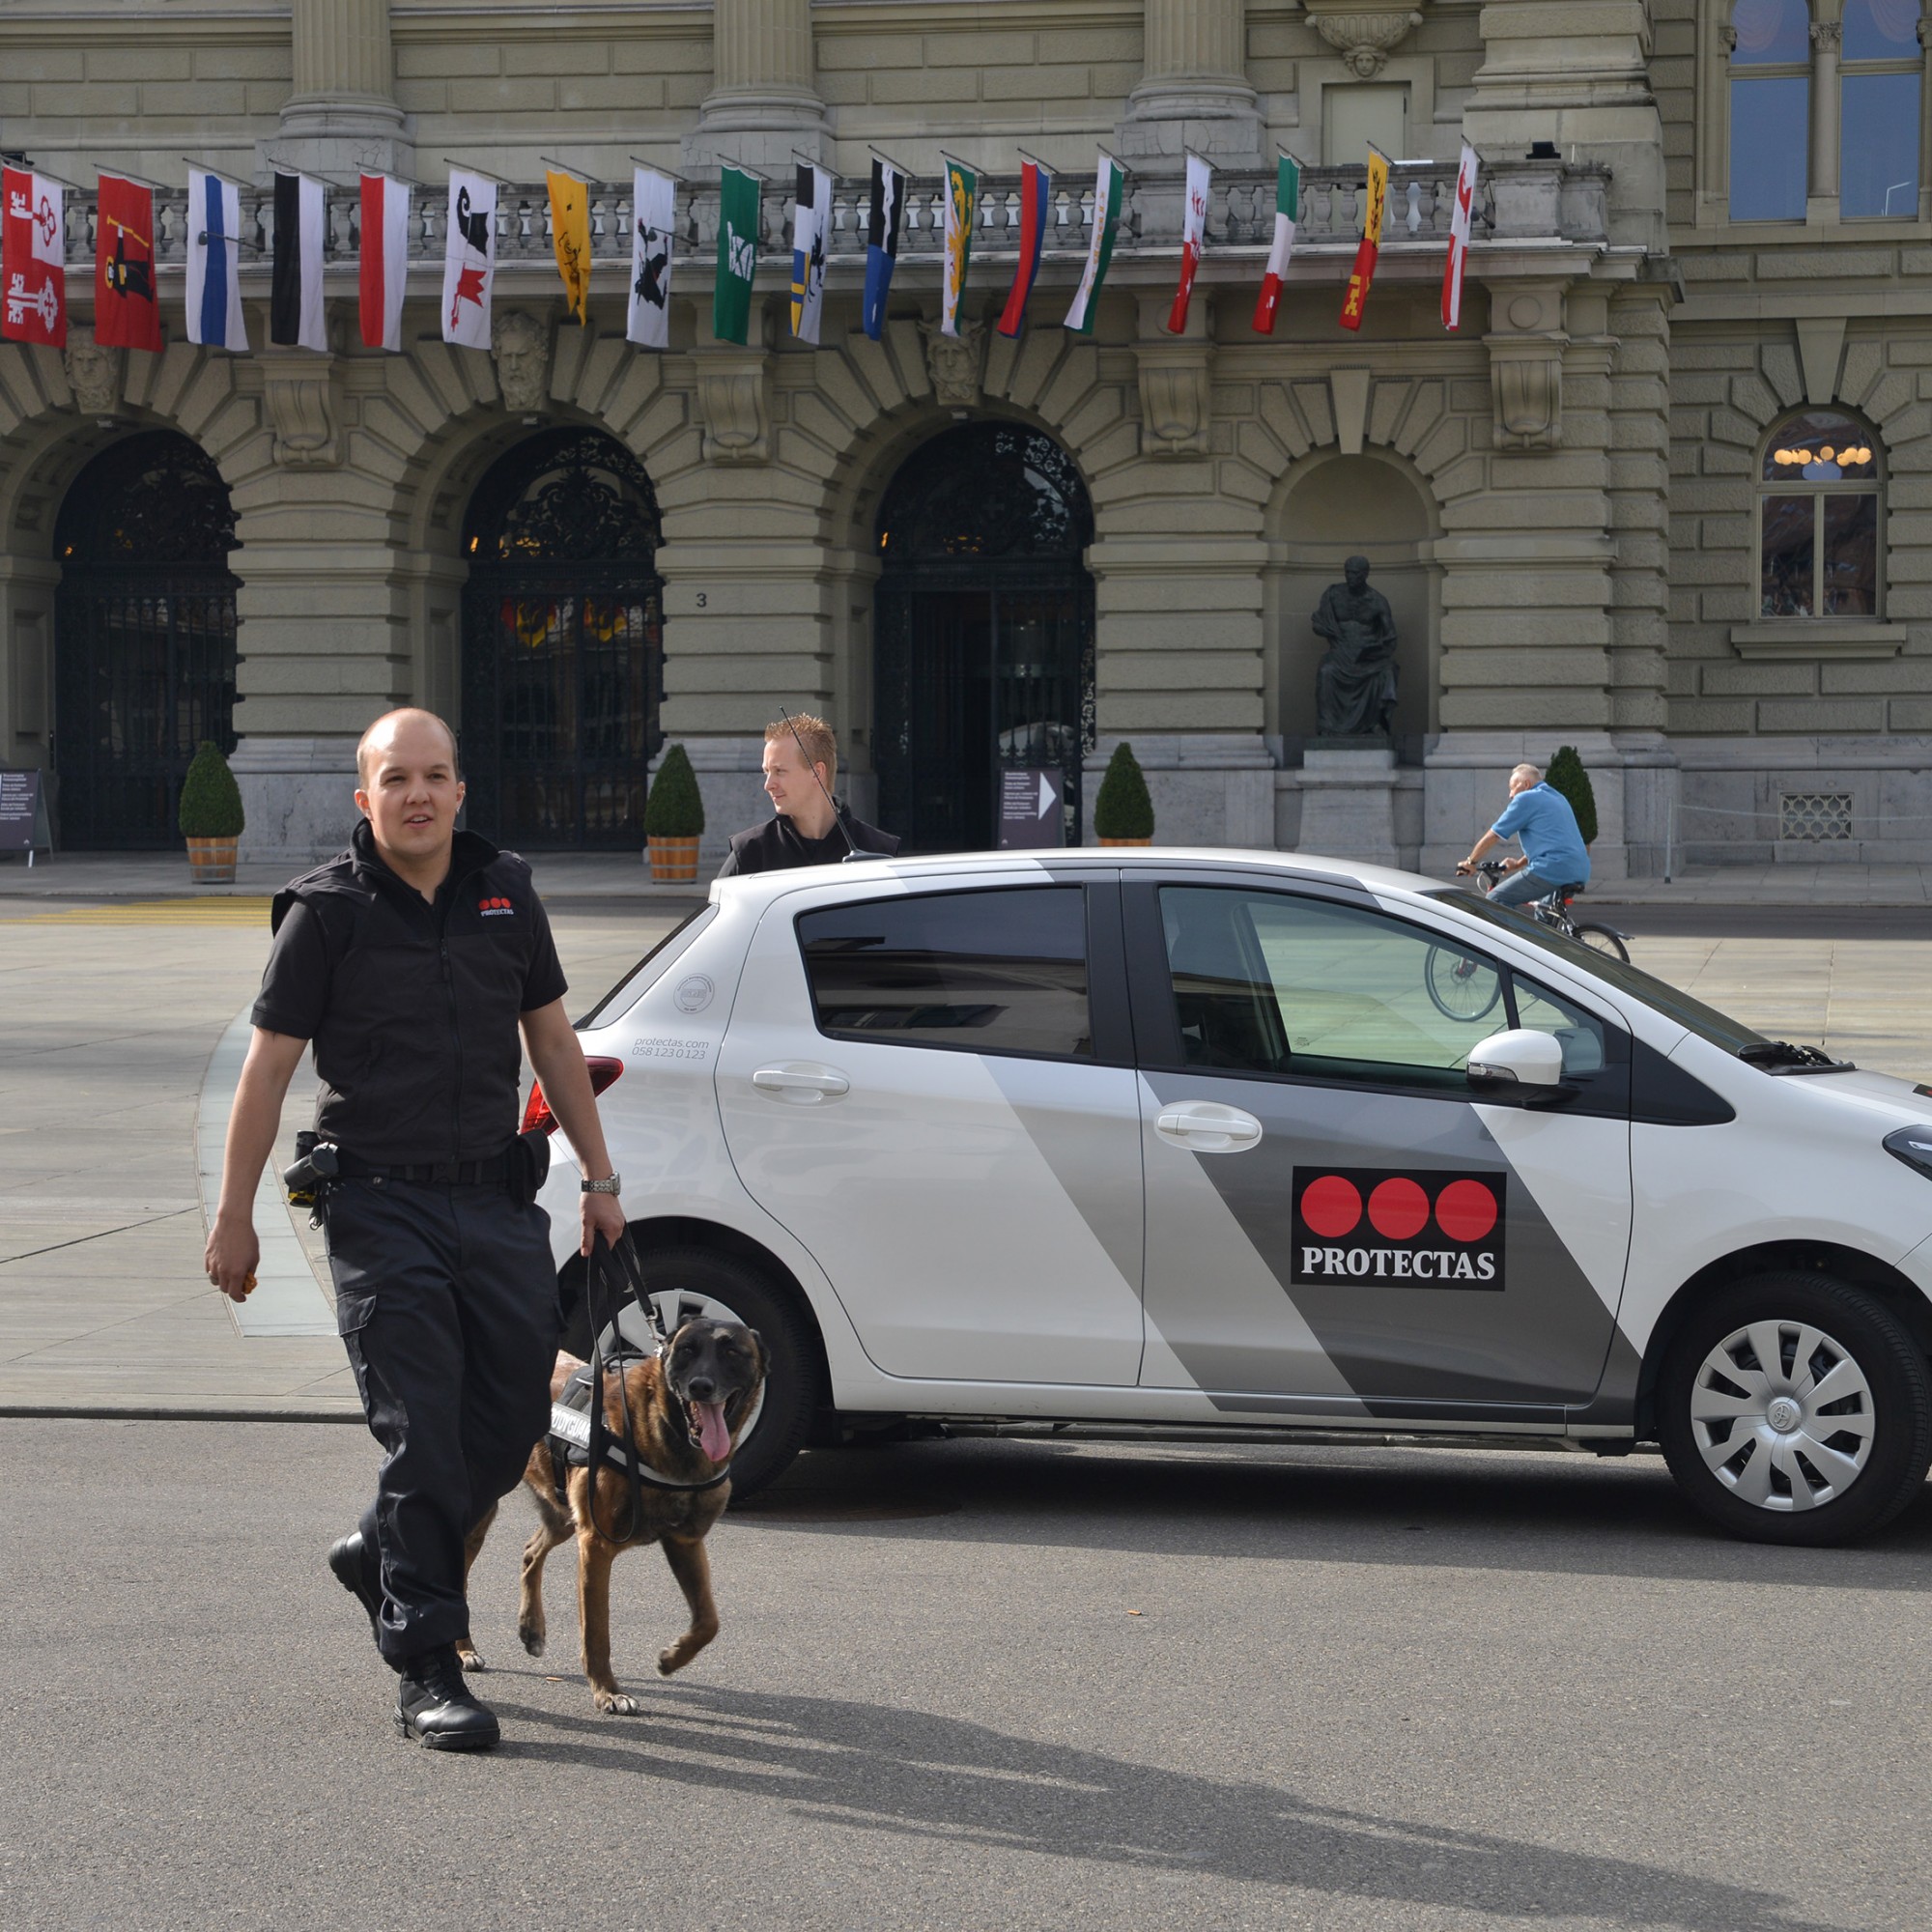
1374,208
570,236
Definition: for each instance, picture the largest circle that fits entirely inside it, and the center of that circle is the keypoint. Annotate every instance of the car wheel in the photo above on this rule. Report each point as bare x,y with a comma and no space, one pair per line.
1795,1409
690,1283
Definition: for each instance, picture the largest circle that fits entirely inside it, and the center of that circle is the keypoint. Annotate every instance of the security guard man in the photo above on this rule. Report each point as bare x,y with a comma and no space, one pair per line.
412,961
807,827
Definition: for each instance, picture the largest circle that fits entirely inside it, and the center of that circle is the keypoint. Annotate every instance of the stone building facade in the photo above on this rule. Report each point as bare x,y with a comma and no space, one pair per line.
1602,511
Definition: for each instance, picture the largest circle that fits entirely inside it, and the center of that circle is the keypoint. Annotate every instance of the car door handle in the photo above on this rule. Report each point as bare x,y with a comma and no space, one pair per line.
802,1086
1205,1127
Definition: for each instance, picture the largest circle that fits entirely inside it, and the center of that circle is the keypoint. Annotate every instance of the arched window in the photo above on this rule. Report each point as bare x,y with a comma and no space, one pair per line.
1881,71
1819,519
1770,109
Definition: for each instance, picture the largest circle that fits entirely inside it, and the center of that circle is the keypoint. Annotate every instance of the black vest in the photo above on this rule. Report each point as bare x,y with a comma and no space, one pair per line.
418,1051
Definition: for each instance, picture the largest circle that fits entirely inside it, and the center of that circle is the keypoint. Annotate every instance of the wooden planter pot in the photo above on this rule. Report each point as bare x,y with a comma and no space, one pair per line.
673,862
1127,842
210,862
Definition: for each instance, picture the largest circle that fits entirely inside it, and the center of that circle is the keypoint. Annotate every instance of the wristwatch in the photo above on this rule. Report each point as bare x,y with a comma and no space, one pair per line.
609,1184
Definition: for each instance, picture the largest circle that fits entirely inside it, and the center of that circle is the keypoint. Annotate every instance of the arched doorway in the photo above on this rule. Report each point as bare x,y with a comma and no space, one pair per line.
983,659
144,638
562,644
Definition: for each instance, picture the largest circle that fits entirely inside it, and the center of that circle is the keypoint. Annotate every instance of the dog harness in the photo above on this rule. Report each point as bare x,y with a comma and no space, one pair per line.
570,1437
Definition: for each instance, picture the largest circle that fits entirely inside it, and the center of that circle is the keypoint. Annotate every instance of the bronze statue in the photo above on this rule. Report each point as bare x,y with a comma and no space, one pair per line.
1354,685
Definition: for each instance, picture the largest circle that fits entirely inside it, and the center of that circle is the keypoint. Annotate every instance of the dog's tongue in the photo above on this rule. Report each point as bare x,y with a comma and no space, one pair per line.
713,1438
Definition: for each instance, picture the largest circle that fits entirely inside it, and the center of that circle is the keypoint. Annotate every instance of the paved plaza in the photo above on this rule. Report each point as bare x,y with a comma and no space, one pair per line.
980,1682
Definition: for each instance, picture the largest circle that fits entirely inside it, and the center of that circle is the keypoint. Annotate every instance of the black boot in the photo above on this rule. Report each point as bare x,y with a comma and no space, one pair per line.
434,1706
359,1570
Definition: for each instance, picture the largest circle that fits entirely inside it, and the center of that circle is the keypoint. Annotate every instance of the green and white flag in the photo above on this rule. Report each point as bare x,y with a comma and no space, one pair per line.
1109,187
737,254
962,206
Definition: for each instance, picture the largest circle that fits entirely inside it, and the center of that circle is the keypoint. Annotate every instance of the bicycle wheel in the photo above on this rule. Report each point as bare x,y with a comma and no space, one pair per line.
1601,939
1463,988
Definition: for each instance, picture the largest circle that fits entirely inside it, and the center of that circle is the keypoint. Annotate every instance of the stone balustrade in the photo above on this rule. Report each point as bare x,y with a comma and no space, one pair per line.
1516,201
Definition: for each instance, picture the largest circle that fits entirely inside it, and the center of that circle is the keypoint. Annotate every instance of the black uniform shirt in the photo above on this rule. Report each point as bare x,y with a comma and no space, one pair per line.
777,845
412,1008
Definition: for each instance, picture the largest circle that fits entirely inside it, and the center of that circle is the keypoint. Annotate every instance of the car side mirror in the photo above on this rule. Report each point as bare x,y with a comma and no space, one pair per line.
1518,1058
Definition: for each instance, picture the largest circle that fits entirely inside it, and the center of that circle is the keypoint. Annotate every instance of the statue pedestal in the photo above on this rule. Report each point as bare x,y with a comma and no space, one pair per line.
1347,801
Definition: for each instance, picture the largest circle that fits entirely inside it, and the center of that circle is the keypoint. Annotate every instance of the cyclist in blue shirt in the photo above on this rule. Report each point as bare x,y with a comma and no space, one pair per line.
1554,853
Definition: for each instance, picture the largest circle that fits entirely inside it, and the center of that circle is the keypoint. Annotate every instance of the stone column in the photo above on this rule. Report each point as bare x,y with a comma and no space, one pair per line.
1194,89
764,87
1826,35
342,116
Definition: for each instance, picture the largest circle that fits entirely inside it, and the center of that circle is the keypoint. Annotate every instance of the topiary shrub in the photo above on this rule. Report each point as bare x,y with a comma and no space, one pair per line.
211,800
674,808
1123,810
1566,773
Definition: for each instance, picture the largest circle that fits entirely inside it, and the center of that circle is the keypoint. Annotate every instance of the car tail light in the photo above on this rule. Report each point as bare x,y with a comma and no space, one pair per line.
603,1073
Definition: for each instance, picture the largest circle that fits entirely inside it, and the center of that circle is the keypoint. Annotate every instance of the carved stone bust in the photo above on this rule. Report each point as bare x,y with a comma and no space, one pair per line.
520,345
93,374
953,363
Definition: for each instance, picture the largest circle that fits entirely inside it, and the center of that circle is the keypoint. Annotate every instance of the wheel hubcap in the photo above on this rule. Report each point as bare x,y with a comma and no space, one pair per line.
1782,1415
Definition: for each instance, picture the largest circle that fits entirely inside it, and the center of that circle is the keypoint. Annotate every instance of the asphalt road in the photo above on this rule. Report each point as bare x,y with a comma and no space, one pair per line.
973,1684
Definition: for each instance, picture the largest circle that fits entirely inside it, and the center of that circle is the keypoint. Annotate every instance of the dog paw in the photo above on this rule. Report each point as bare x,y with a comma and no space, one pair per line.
532,1640
670,1660
470,1657
615,1704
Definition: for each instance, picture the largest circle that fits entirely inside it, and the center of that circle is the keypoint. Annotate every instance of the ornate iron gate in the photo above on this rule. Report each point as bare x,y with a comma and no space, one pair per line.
984,645
562,645
144,638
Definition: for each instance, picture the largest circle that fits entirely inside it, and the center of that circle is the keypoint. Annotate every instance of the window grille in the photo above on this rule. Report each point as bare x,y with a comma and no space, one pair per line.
1814,817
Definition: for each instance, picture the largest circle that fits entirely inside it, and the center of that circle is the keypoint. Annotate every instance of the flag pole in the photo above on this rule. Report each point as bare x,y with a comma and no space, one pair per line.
59,181
879,155
142,181
637,161
731,162
1035,160
471,168
233,181
581,180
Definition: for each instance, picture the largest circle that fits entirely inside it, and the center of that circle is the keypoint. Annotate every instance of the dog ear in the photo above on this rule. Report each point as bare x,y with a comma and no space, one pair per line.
764,1353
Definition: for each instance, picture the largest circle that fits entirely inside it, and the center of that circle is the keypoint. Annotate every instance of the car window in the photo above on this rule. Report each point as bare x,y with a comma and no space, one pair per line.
1580,1034
991,972
650,969
1269,982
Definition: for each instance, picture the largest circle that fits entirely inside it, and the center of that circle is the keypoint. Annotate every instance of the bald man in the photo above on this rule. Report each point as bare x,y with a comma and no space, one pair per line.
412,961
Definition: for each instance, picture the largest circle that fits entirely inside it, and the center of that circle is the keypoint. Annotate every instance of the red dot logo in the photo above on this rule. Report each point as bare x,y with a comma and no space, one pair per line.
1466,1211
1398,1210
1331,1206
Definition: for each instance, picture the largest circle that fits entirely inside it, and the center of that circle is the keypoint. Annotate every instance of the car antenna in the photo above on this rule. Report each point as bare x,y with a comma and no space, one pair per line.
852,851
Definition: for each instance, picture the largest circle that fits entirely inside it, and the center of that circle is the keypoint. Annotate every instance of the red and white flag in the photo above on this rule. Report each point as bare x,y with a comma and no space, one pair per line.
1193,233
385,259
33,259
469,259
1458,239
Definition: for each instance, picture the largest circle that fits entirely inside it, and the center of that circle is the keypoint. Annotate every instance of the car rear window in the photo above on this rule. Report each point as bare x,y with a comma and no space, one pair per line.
648,970
993,972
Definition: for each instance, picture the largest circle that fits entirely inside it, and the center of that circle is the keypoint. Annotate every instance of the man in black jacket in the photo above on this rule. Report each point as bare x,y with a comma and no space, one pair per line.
412,961
807,828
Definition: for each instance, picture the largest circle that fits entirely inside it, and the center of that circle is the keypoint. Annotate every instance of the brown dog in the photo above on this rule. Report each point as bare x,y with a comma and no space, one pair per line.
687,1409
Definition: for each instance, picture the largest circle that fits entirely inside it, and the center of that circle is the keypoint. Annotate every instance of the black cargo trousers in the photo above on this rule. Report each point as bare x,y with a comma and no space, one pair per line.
446,1301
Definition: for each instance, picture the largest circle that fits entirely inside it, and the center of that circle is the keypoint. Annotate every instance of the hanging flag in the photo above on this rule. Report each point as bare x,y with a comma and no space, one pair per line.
296,317
469,260
653,210
1458,238
963,206
385,260
1375,206
214,261
570,238
811,216
1035,197
126,314
882,242
1193,234
737,254
1109,188
1287,211
33,257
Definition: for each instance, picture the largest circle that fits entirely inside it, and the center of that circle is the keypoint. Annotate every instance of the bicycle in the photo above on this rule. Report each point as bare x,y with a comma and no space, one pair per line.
1468,989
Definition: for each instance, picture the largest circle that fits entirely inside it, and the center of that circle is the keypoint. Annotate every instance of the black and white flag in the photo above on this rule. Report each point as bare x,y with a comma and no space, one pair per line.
296,317
653,210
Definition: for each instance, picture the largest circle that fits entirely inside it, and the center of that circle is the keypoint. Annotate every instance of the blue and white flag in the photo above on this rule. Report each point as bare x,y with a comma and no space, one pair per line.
882,242
214,261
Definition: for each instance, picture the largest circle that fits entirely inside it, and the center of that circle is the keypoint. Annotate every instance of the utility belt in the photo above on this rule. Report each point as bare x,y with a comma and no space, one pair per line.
320,1165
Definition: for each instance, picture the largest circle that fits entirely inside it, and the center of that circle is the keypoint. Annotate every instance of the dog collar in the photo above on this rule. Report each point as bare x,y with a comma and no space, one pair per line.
573,1426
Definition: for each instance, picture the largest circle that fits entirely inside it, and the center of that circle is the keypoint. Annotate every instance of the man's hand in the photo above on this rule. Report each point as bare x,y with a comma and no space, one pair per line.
1515,864
231,1256
602,1215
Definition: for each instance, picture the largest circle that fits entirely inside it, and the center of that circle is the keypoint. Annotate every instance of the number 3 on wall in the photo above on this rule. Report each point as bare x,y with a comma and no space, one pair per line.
701,600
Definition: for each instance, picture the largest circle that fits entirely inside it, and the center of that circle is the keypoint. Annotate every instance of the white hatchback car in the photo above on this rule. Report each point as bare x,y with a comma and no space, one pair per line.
1218,1139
